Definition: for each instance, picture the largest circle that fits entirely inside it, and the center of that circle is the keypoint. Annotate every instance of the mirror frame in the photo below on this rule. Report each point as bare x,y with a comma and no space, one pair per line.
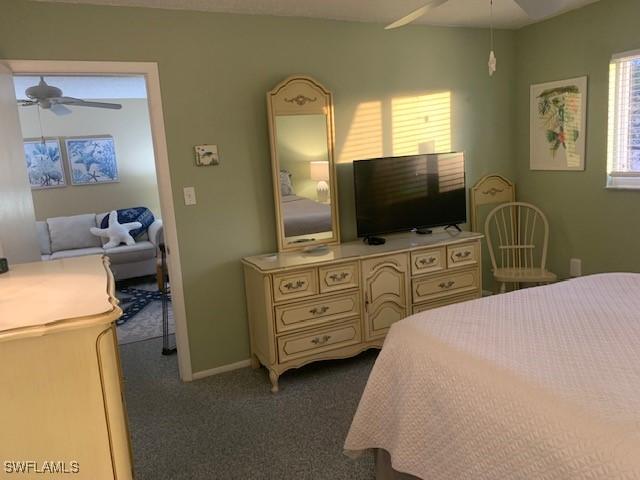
302,95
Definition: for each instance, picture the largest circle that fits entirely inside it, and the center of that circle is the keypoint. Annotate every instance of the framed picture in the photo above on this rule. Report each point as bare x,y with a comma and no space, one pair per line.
44,163
92,160
558,122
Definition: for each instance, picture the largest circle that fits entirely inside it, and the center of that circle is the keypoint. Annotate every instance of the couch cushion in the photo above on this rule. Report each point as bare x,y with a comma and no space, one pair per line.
131,253
68,233
99,217
43,238
77,252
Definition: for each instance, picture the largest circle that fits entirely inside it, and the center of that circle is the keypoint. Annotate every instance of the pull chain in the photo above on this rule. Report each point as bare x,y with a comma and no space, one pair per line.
492,56
40,125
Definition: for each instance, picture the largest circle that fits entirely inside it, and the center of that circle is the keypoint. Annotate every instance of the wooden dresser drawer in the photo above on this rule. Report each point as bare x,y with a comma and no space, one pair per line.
445,301
448,284
297,345
290,285
291,317
338,277
428,261
462,255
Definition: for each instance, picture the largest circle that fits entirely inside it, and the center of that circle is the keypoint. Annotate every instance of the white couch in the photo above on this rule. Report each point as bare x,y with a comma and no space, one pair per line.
64,237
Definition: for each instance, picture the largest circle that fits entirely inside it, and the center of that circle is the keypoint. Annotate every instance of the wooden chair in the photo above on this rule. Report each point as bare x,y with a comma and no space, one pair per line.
517,235
487,193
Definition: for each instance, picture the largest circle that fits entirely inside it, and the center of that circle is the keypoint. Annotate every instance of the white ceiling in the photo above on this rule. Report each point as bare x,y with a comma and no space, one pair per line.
468,13
87,87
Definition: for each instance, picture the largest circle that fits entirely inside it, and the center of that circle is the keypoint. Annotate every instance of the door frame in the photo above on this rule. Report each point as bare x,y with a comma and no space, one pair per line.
152,79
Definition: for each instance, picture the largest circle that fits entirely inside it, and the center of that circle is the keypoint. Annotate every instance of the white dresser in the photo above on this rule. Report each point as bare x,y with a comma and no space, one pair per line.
305,307
61,405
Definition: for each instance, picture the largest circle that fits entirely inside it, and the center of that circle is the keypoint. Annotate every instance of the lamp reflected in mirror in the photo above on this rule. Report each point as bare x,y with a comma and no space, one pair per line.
320,174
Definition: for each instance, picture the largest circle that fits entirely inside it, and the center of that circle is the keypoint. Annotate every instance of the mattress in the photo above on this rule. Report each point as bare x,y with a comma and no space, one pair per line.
303,216
542,383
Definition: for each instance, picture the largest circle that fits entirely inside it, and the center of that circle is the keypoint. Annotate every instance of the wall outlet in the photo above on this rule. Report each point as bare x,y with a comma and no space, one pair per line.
189,195
575,267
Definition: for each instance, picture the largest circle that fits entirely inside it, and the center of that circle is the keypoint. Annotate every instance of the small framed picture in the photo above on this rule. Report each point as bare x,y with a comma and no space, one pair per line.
92,160
44,163
207,155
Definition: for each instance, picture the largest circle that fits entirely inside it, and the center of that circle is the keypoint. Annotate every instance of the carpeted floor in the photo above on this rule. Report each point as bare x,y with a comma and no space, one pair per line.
230,426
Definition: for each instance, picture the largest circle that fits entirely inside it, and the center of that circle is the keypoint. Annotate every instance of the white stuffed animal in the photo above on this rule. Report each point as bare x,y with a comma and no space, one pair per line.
117,233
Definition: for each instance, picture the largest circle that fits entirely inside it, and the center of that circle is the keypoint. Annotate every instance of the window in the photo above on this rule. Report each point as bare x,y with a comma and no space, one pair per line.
623,162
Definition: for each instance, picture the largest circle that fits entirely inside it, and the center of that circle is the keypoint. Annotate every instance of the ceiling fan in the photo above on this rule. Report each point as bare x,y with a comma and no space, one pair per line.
535,9
51,98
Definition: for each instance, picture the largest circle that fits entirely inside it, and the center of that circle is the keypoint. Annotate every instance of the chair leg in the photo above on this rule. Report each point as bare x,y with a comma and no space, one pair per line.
503,287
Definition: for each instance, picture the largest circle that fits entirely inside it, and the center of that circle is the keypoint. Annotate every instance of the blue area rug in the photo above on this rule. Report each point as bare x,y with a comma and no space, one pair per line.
133,300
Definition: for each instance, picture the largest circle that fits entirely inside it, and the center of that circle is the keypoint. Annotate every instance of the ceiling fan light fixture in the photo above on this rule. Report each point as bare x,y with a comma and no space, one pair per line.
48,97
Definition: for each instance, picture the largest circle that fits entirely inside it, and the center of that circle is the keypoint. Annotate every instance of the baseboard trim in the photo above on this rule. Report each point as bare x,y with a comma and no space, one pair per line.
222,369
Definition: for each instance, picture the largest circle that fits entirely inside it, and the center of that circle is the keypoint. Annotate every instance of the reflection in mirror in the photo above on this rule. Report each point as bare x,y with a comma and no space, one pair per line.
305,198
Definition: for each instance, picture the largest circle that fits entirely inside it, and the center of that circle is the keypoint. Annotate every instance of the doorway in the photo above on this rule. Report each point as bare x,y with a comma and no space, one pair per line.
147,76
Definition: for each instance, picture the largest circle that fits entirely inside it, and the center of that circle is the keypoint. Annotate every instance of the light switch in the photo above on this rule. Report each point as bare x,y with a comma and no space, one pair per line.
189,196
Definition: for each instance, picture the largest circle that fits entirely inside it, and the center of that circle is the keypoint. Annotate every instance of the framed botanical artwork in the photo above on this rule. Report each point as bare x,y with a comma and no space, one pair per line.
558,123
44,163
92,160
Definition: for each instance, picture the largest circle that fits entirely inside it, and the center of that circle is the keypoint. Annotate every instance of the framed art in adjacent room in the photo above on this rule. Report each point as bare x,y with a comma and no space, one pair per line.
44,163
558,122
92,160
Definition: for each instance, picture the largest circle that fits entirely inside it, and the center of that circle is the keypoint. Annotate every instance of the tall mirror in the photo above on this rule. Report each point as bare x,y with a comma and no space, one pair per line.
304,184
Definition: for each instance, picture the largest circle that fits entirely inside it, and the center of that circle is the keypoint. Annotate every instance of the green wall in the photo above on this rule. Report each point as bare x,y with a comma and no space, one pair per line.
586,221
215,70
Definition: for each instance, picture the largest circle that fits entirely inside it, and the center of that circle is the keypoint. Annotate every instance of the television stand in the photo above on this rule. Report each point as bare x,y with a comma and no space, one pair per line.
374,240
422,231
453,225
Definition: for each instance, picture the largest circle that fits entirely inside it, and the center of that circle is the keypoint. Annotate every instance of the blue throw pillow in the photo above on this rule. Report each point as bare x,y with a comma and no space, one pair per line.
135,214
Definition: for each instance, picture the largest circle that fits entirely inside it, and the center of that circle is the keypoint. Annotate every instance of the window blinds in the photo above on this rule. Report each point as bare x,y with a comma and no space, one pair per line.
623,154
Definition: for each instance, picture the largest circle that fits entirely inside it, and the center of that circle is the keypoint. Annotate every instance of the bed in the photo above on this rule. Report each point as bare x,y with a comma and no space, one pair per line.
542,383
303,216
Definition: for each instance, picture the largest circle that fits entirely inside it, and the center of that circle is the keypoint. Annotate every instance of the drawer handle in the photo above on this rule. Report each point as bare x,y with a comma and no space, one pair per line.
447,285
427,261
319,311
337,277
464,254
321,341
294,285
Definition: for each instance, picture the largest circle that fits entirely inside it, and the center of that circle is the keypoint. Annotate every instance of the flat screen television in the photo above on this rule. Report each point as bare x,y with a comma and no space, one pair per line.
402,193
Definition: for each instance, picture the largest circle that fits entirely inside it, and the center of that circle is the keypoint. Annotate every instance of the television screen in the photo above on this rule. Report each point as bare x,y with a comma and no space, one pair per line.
401,193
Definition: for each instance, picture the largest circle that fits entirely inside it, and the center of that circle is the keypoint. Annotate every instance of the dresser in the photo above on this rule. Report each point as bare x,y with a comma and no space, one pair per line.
337,302
61,403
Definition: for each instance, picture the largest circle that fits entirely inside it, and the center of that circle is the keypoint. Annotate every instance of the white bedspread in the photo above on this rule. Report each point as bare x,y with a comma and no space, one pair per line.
541,383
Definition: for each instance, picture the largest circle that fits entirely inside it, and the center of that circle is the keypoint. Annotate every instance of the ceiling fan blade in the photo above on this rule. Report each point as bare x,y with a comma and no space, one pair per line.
27,103
76,102
60,109
415,14
539,9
